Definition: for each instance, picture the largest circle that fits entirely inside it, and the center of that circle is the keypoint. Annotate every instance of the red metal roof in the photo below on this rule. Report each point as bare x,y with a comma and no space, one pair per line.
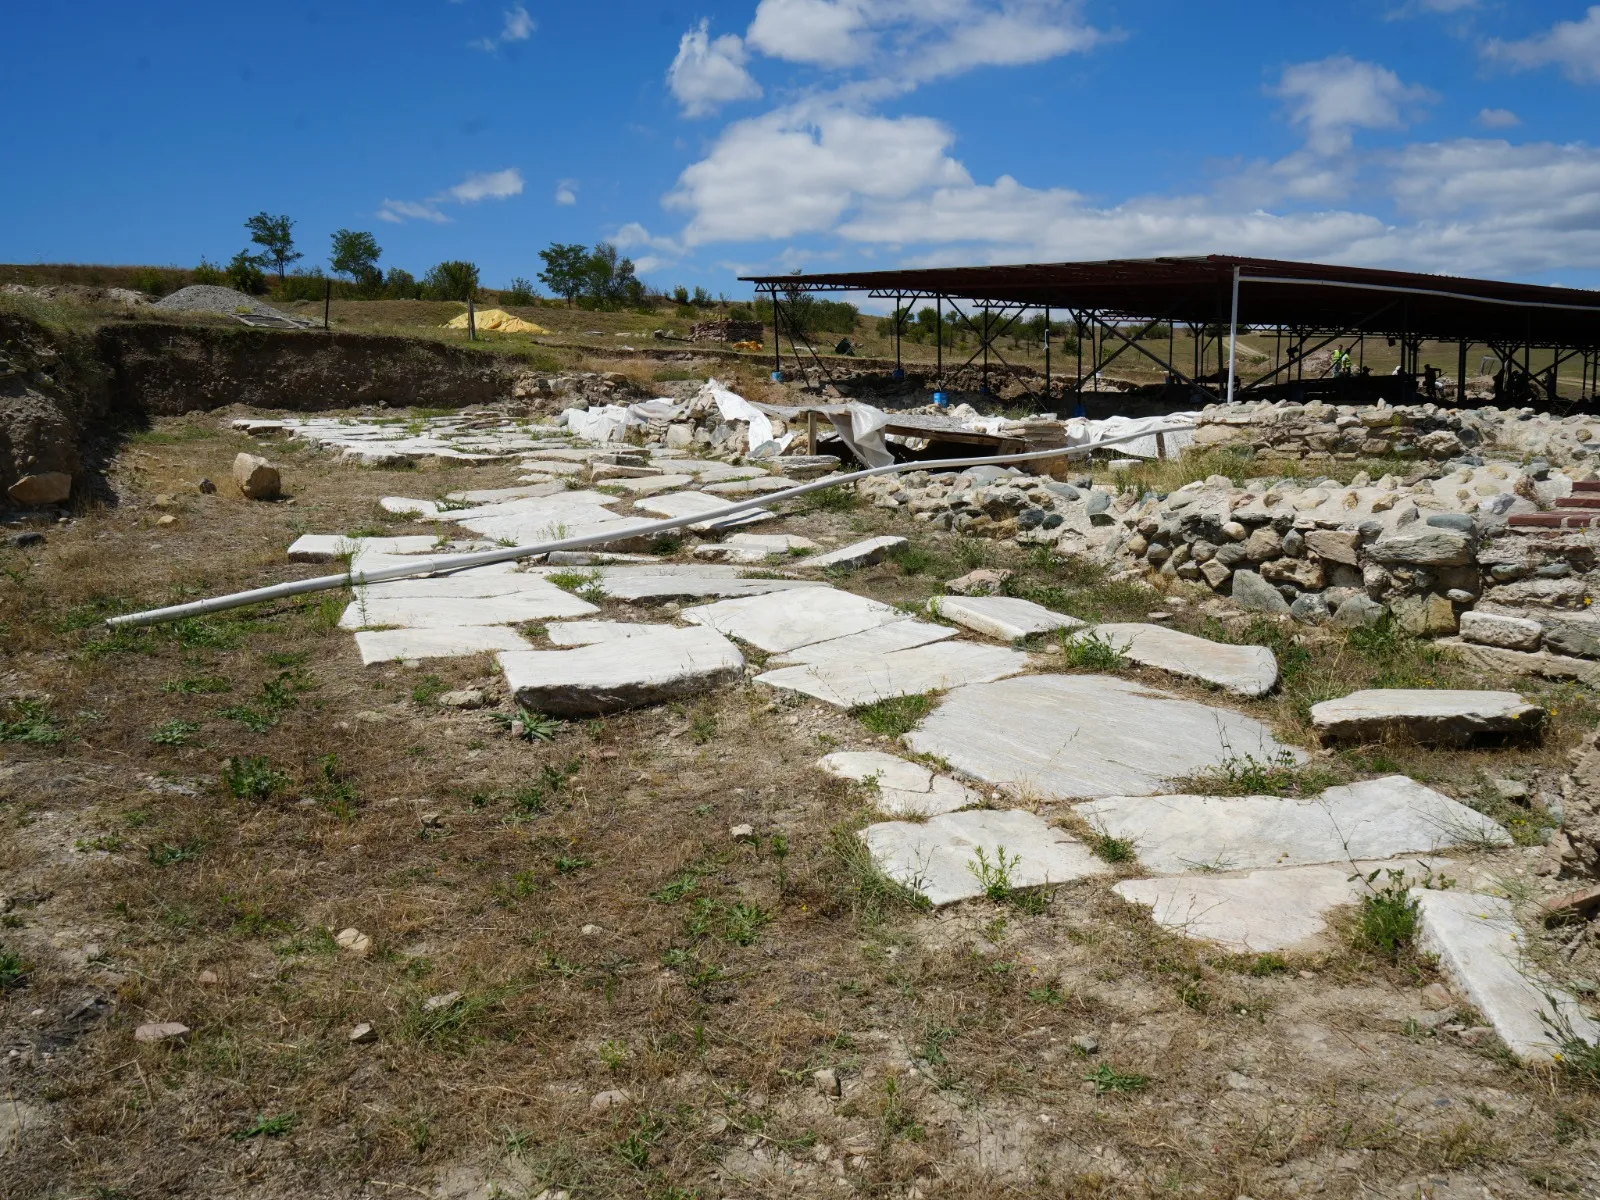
1311,296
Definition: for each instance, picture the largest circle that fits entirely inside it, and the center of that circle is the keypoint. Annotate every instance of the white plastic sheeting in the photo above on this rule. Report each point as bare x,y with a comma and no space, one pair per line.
861,428
734,407
1083,432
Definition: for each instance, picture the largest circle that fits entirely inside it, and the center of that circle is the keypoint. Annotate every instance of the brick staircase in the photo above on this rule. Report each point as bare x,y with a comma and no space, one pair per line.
1581,510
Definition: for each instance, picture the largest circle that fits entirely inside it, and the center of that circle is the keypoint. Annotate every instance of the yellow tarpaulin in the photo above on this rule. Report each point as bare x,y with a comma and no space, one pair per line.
497,320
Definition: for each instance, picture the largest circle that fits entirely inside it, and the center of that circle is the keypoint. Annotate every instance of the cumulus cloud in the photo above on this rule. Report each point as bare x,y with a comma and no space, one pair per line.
708,73
905,43
517,26
1332,98
480,185
1574,46
1498,118
567,191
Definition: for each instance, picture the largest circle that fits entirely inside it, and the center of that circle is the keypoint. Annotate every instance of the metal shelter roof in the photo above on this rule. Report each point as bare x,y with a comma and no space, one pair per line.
1199,291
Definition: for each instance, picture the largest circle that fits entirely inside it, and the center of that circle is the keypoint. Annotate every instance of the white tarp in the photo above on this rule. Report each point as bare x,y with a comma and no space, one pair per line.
605,423
1083,432
862,430
734,407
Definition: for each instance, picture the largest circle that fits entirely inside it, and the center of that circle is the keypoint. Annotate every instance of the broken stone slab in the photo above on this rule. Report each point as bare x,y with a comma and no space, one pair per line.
622,673
589,633
376,610
1255,912
939,858
406,506
649,485
1379,818
753,547
868,644
937,667
594,558
1005,617
979,582
785,621
692,582
1581,905
1254,594
1483,952
1429,548
1442,715
497,495
257,478
1085,736
391,645
47,487
325,547
901,788
805,466
761,485
1243,670
1496,629
860,554
689,504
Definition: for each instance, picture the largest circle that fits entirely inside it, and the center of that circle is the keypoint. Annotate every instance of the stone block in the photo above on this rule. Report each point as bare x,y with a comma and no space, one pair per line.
257,478
1430,715
1254,594
1496,629
47,487
609,676
1334,545
1004,617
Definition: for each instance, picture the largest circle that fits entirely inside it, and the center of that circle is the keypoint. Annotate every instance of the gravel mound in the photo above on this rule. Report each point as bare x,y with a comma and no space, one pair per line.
201,297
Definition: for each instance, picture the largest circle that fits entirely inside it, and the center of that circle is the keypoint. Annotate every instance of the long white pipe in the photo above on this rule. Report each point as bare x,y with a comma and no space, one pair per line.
483,558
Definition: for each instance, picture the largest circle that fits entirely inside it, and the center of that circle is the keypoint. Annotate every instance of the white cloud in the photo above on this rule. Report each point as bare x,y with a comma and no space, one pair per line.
1498,118
567,191
1332,98
1574,46
709,73
487,185
518,26
480,185
905,42
795,171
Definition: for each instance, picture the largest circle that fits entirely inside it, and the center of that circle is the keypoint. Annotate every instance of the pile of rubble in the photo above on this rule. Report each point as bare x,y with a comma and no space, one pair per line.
1388,431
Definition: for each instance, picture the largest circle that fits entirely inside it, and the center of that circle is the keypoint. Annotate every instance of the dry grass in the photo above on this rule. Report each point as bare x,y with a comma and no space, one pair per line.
584,897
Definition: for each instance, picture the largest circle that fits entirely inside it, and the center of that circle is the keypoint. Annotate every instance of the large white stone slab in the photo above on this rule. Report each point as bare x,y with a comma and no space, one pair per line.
388,645
693,504
1243,670
1252,913
858,554
929,668
1005,617
406,506
937,858
753,547
785,621
588,633
1483,951
691,582
1424,714
1380,818
437,612
325,547
1071,736
622,673
492,580
901,788
533,491
739,488
649,485
868,644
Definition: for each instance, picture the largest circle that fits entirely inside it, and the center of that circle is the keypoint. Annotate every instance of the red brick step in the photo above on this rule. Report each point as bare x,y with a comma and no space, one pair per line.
1581,519
1585,501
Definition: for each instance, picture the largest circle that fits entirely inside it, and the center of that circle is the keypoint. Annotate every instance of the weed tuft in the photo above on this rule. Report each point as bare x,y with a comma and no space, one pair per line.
1386,919
895,716
1086,649
252,778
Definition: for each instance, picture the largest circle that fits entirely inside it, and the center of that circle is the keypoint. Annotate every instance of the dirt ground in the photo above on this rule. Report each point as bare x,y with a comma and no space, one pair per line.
192,814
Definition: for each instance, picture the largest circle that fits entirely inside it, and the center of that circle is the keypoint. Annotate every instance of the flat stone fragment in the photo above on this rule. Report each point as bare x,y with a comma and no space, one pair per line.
859,554
1482,951
1380,818
939,858
902,788
1004,617
1496,629
588,633
1261,911
390,645
1243,670
1085,736
448,612
622,673
497,579
692,582
868,644
693,504
1445,715
784,621
325,547
760,486
649,485
1539,663
496,495
753,547
939,667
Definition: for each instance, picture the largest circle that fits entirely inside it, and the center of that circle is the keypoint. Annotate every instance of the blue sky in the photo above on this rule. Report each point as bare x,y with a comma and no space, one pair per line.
714,139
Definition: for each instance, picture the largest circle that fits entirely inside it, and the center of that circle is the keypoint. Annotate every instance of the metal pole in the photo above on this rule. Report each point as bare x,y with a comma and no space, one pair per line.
1047,356
1233,335
898,316
472,320
777,340
938,336
1077,322
1461,376
482,558
327,302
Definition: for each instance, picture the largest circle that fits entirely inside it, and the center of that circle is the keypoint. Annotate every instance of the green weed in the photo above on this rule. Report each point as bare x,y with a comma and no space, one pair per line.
894,716
266,1126
166,854
1280,774
1086,649
13,971
199,685
994,877
1107,1078
175,733
1386,918
29,722
252,778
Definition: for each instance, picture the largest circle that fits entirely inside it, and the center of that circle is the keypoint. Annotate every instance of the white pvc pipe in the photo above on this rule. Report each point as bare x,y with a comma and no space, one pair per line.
483,558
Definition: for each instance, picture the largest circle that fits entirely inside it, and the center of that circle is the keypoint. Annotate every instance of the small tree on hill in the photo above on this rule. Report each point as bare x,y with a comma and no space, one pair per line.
452,280
565,269
355,253
244,273
609,279
276,238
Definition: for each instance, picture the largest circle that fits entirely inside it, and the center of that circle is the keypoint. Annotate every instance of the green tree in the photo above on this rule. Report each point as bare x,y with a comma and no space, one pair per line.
276,238
520,292
244,273
400,284
452,280
609,280
355,253
565,269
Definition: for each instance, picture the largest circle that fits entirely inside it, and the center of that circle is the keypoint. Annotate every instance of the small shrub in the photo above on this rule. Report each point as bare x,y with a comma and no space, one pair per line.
13,971
994,877
1267,965
839,498
175,733
1113,849
743,923
252,778
894,716
1246,775
1107,1078
1090,651
1386,919
29,722
429,689
266,1126
913,559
